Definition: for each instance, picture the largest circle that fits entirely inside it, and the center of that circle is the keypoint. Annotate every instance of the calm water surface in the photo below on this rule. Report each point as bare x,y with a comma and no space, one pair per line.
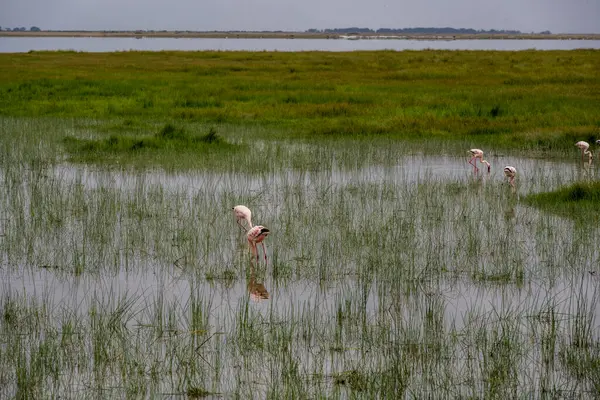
153,281
25,44
534,175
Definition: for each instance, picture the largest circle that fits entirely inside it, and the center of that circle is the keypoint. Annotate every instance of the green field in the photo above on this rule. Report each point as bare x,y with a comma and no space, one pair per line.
528,99
394,270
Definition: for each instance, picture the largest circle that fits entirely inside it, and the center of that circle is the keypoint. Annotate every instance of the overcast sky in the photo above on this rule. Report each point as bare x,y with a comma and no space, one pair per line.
558,16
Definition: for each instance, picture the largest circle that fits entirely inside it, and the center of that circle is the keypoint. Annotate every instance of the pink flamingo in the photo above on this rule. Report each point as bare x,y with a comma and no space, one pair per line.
243,213
256,235
476,153
510,172
584,146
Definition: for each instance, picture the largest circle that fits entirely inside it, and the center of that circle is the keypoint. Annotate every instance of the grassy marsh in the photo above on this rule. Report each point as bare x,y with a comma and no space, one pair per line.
579,200
541,101
394,271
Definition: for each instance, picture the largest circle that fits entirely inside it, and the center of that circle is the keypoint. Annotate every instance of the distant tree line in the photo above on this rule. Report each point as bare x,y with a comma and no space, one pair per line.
20,29
417,30
354,29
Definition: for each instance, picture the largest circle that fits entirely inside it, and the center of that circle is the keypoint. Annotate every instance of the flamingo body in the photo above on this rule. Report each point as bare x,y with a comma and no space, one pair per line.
510,172
243,213
584,146
256,235
478,154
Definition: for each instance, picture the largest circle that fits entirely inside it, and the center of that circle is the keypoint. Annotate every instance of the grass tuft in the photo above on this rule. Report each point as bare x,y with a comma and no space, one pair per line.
578,200
197,392
169,139
354,379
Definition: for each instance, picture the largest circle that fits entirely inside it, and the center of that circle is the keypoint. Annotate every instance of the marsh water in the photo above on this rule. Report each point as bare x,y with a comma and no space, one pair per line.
90,44
412,276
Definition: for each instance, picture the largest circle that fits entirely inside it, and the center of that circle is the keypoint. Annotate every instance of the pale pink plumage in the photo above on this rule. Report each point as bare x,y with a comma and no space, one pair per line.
257,234
478,154
510,172
243,213
584,146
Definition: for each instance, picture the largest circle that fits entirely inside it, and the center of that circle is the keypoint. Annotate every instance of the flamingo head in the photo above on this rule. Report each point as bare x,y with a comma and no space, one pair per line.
489,167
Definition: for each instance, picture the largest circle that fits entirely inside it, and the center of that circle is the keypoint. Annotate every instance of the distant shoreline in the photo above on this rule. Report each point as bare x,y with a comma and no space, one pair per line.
301,35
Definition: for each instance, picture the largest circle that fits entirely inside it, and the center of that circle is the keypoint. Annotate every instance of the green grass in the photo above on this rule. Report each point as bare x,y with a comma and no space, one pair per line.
393,271
579,200
526,99
197,393
127,147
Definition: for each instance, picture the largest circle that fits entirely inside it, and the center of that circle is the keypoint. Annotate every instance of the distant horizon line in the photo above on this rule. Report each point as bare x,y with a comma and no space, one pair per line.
334,31
309,30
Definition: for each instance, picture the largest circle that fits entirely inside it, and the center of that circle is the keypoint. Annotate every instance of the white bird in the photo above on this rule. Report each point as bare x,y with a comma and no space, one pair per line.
243,213
584,146
510,172
478,154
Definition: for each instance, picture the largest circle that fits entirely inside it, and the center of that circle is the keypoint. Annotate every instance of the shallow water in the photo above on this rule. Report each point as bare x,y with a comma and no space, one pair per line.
391,248
533,175
459,297
25,44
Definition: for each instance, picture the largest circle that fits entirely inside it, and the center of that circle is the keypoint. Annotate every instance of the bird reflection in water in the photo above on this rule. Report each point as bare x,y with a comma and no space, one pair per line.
257,290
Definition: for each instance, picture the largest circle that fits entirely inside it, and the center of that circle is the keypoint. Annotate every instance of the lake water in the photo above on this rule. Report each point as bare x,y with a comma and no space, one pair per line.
93,44
112,269
148,277
153,246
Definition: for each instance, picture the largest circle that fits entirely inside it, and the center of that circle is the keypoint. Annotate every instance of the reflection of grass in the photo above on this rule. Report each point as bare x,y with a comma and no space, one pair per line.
583,363
228,277
579,200
383,251
356,380
197,393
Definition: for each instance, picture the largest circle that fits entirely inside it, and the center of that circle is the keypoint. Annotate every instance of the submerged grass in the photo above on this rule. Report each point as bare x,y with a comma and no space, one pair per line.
381,284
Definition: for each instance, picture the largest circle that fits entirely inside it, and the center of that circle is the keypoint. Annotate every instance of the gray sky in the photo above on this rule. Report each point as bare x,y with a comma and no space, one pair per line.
558,16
